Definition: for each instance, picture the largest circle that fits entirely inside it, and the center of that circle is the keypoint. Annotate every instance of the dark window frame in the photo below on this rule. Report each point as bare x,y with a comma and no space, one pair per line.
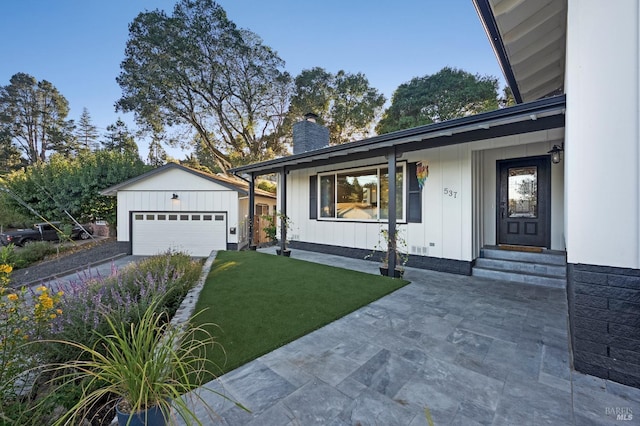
403,166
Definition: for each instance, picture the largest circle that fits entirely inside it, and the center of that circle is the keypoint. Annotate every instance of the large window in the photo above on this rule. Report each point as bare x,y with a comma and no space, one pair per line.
360,194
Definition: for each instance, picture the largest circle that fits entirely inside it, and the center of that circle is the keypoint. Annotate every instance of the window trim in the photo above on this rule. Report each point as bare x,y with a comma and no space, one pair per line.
401,165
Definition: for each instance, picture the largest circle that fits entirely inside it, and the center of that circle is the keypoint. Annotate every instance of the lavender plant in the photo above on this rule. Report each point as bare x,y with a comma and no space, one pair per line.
122,296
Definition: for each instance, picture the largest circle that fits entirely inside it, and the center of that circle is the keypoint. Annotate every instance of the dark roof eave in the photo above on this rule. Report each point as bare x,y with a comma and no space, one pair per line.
399,137
495,38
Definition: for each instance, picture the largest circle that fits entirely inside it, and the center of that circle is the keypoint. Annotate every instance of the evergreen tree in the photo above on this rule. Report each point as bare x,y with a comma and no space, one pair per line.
33,115
119,138
87,132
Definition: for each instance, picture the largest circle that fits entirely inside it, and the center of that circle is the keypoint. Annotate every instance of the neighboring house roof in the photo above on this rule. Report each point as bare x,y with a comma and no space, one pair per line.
529,40
529,117
231,182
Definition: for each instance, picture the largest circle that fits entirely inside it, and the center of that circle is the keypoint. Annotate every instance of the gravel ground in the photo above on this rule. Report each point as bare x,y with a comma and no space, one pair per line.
86,255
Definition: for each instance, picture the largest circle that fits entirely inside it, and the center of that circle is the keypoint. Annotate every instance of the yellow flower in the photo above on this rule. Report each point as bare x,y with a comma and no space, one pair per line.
52,316
61,293
6,269
13,297
59,311
42,289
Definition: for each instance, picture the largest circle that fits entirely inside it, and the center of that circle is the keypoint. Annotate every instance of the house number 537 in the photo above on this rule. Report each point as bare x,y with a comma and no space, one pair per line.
450,192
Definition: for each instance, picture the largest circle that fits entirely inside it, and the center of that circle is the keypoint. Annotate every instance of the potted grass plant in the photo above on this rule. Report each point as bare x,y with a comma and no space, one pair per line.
383,248
145,368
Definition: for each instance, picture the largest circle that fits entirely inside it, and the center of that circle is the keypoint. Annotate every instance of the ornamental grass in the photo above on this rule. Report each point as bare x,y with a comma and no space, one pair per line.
146,364
82,313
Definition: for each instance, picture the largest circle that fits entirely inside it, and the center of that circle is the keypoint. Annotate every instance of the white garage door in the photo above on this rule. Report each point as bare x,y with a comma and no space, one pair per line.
193,233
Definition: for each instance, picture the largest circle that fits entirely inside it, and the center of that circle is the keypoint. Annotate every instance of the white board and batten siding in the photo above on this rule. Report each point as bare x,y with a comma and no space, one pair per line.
458,216
196,196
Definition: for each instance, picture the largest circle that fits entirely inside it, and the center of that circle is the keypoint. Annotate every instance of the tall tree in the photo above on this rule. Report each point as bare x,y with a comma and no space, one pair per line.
157,154
33,113
10,159
344,102
448,94
119,138
196,69
203,155
86,132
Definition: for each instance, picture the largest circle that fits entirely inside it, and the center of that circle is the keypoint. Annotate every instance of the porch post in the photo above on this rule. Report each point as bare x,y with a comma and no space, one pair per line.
392,249
283,209
252,206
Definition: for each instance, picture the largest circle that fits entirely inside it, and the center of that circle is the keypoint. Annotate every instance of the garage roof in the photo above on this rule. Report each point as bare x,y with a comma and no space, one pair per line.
230,182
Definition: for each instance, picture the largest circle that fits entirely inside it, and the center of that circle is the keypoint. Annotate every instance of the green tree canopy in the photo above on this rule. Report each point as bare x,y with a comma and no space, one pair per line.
196,69
87,132
119,138
73,185
10,158
203,156
33,116
450,93
157,155
344,102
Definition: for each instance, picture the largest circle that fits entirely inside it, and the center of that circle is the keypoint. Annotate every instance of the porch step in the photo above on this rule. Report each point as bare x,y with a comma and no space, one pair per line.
551,257
547,268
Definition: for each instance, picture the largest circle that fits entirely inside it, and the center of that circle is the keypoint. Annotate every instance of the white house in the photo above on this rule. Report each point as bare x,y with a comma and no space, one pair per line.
176,207
573,66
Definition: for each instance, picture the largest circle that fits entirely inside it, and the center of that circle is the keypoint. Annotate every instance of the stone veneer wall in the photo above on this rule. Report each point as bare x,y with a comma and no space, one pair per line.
604,314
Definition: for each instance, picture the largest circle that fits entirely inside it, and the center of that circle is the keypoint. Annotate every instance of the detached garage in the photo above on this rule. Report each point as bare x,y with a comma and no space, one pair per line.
175,207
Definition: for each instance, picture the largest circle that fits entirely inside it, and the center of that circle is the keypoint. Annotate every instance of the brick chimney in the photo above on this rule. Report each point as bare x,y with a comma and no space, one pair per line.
309,135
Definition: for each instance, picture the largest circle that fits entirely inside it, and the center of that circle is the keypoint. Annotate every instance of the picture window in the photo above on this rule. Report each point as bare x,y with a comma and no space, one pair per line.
360,194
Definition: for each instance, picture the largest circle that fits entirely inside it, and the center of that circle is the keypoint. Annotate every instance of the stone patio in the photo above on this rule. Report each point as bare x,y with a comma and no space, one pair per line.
462,350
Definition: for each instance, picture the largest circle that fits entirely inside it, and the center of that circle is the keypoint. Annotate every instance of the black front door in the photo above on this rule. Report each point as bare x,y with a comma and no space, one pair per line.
524,201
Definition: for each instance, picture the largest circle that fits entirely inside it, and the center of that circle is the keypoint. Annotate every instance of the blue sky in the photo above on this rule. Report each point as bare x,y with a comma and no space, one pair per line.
78,45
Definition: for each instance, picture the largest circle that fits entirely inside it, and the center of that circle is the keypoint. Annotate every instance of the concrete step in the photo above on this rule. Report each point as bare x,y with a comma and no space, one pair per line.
545,269
520,277
550,257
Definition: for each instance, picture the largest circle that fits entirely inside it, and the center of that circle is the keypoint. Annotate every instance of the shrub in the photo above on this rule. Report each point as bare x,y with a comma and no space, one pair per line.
122,297
80,313
8,257
25,316
33,252
150,363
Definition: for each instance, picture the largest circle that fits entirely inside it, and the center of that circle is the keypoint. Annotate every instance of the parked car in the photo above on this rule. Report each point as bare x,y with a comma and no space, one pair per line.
43,232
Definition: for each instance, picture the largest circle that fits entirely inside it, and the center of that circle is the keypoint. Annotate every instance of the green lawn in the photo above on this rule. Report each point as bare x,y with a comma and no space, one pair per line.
261,302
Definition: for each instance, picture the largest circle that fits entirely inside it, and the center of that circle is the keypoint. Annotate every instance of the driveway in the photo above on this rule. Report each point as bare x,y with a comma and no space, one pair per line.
455,349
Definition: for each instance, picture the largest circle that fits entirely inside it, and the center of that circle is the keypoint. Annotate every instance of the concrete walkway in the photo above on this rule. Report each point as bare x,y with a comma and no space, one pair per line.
462,350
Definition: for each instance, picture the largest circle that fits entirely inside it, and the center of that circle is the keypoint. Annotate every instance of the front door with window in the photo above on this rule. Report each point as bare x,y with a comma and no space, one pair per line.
524,202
